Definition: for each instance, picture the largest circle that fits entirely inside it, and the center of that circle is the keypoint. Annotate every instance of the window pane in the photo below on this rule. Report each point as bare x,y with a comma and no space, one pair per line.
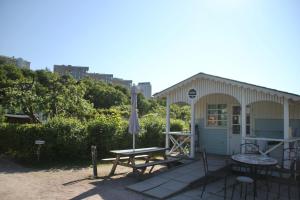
222,117
247,130
235,120
236,129
212,106
222,123
248,119
221,106
212,111
236,110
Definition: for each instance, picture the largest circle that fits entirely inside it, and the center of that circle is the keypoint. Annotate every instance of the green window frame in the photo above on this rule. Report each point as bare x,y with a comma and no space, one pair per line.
217,115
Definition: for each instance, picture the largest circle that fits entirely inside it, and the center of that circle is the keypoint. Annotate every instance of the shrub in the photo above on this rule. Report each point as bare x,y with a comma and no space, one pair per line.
152,127
65,139
177,125
105,132
18,139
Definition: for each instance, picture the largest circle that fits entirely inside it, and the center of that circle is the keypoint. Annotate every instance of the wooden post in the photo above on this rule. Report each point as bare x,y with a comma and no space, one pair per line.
94,160
286,129
192,144
167,124
243,121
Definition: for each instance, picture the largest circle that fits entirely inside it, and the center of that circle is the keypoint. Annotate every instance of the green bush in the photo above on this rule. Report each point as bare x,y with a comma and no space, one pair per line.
177,125
65,139
152,127
105,132
18,139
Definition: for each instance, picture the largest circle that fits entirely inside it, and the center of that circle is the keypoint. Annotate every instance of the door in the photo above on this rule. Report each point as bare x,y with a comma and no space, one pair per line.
235,130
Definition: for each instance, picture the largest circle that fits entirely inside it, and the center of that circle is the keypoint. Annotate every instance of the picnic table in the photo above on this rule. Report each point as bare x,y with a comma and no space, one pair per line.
127,158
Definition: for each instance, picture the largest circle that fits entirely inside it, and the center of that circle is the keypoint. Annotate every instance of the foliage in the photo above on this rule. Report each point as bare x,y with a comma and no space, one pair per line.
177,125
152,130
180,111
80,114
103,95
65,139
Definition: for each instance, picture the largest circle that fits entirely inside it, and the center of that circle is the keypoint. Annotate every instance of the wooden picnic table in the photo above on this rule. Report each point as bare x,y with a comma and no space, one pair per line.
131,154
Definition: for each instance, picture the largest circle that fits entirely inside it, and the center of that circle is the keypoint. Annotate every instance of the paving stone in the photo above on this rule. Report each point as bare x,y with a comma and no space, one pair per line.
159,192
141,187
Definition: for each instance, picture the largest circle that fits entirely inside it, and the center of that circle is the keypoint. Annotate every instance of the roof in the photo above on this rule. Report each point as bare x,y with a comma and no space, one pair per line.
228,81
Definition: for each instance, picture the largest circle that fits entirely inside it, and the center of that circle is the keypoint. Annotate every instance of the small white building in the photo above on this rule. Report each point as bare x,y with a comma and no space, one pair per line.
225,113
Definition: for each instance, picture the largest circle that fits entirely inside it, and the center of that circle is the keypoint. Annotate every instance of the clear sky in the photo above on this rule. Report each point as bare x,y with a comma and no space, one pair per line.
161,41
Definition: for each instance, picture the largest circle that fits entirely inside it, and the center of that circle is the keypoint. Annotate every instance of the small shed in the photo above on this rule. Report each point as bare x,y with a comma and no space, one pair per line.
226,113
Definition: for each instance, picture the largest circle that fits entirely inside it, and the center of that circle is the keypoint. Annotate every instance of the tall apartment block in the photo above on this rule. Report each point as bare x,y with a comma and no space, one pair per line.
146,89
125,83
78,72
107,78
19,62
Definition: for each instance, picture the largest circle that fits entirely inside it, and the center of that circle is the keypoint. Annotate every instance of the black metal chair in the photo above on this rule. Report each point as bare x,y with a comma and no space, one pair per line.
288,173
249,148
243,180
219,174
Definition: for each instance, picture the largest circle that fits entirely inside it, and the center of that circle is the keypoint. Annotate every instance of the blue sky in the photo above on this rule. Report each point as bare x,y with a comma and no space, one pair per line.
160,41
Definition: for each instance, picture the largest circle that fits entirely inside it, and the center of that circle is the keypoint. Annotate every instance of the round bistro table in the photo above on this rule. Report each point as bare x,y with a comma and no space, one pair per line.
254,161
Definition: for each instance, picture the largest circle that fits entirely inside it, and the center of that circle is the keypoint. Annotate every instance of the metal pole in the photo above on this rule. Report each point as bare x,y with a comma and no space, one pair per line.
94,160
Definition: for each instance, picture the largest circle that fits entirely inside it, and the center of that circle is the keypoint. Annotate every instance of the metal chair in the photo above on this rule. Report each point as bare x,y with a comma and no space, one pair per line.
222,173
249,148
286,173
243,180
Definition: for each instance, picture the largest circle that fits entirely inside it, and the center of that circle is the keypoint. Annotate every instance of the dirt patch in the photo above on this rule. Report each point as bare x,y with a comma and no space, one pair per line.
19,182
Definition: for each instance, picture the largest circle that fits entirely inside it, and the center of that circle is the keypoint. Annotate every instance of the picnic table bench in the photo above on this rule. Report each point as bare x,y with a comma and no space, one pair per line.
152,164
130,155
125,158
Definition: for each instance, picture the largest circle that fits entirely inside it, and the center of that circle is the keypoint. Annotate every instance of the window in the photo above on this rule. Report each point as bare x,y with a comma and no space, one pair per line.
236,119
217,115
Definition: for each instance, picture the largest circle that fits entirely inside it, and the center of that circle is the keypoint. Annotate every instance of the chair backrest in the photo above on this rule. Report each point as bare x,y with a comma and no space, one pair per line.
291,153
204,157
290,158
250,148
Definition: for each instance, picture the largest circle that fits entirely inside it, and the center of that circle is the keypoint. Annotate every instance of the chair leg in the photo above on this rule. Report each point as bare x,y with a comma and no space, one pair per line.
225,187
241,192
289,191
204,186
246,192
279,188
233,188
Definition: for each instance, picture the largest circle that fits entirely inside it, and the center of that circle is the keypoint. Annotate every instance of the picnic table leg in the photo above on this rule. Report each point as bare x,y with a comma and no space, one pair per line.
113,169
132,162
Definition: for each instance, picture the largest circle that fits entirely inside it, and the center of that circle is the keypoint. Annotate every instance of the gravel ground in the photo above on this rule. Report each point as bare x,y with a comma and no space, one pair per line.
19,182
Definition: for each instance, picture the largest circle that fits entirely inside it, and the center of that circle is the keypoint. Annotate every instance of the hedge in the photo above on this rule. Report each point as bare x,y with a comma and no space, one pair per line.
70,138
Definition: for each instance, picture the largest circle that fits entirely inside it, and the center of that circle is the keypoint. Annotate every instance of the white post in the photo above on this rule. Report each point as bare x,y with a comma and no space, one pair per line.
192,144
286,125
243,121
167,123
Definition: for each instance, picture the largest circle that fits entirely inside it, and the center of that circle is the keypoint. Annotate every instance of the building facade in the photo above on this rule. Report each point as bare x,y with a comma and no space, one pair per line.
146,89
125,83
107,78
226,113
78,72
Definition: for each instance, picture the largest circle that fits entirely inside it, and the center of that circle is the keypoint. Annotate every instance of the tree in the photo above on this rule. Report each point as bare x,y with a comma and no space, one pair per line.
103,95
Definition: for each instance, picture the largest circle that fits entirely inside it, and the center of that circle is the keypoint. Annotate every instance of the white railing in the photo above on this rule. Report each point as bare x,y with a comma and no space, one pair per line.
180,142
